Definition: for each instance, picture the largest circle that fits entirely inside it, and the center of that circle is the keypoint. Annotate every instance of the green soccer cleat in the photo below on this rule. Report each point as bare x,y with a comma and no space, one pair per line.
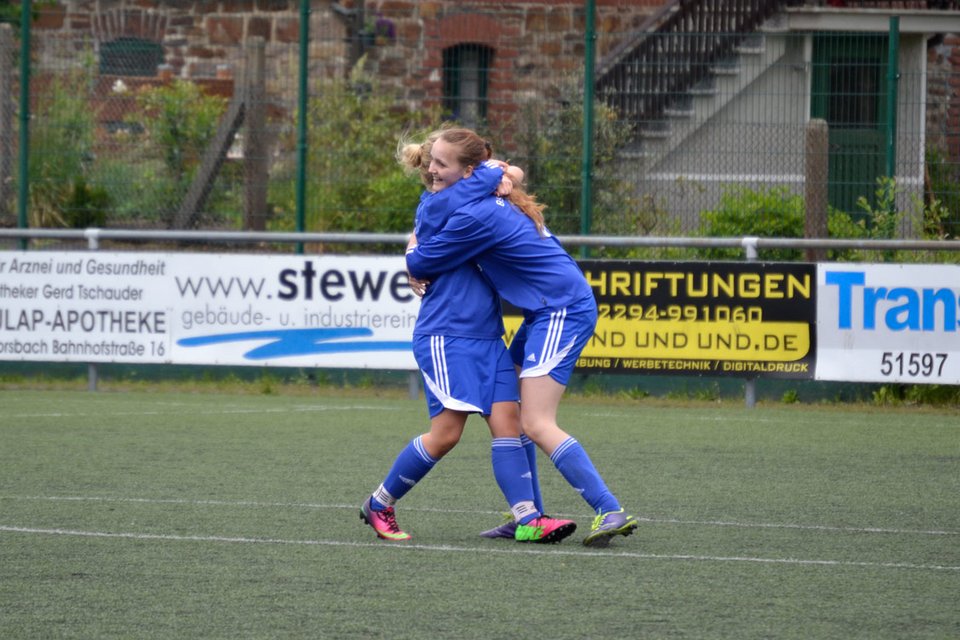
544,530
609,524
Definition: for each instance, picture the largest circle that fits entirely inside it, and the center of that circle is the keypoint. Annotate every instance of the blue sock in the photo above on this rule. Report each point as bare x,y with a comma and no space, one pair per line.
575,466
530,448
512,472
408,469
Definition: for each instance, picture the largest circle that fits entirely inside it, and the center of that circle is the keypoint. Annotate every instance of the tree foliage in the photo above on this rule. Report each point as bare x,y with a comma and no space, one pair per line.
354,182
61,156
549,147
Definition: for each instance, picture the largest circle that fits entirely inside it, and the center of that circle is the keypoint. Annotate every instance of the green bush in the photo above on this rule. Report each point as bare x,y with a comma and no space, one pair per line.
87,205
61,151
548,145
354,182
885,221
178,121
11,11
71,186
140,189
943,188
768,213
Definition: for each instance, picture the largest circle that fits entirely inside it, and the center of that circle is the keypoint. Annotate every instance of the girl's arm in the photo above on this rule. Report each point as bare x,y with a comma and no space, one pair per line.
461,240
483,182
419,287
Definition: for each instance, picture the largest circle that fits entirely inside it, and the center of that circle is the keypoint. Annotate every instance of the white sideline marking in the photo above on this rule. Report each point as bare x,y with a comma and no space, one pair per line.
449,548
309,505
293,409
810,527
802,420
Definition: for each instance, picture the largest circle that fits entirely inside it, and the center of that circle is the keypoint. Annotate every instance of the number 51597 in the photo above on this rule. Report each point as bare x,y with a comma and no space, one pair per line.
912,364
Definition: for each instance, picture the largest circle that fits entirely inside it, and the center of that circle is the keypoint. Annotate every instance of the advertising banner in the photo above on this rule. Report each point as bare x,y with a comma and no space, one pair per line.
701,318
888,323
185,308
844,322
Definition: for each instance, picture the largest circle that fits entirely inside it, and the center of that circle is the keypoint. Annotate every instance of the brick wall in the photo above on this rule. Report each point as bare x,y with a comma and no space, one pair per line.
532,40
201,37
943,90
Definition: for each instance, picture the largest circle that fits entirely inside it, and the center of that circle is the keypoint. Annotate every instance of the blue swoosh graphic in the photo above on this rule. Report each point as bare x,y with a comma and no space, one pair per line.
287,343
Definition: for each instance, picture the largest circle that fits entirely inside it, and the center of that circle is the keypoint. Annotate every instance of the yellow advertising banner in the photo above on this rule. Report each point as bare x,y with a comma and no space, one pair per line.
700,318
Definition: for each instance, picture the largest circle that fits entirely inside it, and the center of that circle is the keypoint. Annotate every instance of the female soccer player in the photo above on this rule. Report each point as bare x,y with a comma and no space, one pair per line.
466,369
529,268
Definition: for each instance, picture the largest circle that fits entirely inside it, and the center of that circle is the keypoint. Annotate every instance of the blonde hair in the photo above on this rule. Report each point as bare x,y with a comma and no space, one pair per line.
528,205
471,151
414,157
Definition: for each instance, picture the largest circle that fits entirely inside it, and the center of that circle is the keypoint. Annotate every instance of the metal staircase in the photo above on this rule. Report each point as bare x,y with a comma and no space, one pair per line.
690,59
674,50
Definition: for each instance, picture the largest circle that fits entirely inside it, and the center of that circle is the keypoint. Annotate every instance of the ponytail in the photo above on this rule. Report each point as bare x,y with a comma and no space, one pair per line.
528,206
414,157
473,150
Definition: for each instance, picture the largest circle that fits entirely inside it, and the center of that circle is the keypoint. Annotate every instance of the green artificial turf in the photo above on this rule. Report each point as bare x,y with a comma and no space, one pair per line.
188,515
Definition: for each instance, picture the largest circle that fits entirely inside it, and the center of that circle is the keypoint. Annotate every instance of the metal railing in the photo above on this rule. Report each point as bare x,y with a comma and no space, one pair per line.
750,244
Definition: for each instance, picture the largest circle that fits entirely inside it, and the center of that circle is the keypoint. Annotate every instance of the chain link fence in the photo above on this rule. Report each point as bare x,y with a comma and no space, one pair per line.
189,115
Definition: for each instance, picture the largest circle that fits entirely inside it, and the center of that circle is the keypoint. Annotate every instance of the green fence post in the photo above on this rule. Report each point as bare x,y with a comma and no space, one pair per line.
893,75
23,193
302,117
586,169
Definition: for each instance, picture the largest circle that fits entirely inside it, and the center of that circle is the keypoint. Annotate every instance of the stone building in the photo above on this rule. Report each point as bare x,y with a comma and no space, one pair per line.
480,59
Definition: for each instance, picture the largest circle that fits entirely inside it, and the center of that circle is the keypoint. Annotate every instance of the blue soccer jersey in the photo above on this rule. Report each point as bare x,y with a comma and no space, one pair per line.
461,302
529,270
435,208
458,338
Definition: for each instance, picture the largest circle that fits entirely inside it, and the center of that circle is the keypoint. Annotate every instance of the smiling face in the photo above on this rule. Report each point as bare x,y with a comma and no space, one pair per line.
445,168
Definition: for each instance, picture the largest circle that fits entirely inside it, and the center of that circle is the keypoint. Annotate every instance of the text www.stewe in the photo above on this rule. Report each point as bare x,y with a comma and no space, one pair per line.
214,287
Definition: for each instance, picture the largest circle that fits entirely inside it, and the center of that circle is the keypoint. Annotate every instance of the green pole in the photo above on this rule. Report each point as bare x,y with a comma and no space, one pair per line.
302,117
23,185
586,167
893,75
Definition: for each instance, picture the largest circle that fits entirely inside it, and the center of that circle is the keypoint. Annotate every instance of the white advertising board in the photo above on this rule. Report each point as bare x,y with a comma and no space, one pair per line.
215,309
888,323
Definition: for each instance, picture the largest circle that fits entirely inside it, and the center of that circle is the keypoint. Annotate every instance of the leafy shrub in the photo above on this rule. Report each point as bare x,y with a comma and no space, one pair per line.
944,189
549,146
933,394
885,221
790,396
178,121
768,213
140,189
61,149
354,181
87,205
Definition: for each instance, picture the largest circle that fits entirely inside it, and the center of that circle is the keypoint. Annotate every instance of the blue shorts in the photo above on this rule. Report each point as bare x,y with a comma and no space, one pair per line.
465,374
549,342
